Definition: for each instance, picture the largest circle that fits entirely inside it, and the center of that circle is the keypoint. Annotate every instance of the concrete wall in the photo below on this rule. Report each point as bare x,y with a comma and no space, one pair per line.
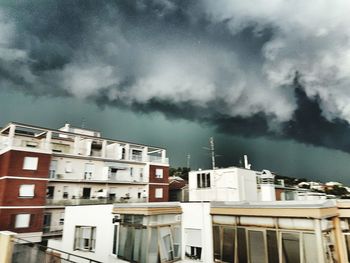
228,184
196,216
99,216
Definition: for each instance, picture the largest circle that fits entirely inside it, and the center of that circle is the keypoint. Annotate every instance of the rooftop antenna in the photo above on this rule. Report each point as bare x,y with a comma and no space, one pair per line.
212,151
188,160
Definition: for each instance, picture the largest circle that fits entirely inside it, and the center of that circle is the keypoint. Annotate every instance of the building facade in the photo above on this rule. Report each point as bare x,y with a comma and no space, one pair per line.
42,170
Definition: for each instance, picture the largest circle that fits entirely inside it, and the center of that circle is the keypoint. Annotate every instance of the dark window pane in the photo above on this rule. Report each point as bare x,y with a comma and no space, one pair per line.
290,248
217,243
272,246
241,246
115,240
129,243
256,246
228,247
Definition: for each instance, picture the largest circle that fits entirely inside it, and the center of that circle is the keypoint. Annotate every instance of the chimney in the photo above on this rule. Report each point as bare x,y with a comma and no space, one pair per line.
246,164
267,186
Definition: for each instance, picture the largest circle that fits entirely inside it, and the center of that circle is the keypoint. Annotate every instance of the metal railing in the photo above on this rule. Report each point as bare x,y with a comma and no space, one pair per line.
26,251
65,202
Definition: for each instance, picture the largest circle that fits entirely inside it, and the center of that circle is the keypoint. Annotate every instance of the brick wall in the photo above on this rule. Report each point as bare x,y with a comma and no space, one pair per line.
7,219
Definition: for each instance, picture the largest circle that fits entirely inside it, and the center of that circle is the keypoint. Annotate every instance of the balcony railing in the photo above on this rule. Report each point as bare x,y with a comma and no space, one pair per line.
80,201
25,251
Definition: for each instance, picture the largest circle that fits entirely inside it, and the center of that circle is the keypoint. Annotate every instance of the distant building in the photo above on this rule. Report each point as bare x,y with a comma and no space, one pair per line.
225,184
42,170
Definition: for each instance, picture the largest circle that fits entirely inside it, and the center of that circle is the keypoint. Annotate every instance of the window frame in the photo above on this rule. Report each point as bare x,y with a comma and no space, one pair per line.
156,193
159,175
28,219
78,239
30,163
32,190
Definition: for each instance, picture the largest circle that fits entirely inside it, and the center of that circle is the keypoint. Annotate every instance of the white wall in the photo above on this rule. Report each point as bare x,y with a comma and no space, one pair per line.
228,184
197,216
99,216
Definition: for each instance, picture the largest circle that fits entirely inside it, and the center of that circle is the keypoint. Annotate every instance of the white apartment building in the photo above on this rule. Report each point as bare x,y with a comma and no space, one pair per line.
71,166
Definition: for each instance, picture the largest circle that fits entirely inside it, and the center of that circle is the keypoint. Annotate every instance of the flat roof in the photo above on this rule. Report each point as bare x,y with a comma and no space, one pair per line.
77,134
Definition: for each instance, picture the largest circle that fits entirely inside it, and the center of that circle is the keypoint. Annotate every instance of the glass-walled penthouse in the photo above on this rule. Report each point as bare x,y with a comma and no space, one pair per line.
288,232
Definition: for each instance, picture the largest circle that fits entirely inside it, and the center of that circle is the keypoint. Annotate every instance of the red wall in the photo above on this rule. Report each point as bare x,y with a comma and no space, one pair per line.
7,219
152,174
11,164
158,183
10,193
152,193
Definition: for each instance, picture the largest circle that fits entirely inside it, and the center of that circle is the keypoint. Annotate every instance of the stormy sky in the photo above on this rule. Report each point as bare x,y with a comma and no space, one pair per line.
267,79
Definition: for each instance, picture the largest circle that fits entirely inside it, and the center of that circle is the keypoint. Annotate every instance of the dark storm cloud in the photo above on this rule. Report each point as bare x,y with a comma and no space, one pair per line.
231,64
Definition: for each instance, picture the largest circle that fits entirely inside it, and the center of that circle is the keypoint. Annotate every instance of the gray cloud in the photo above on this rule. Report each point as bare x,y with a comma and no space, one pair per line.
242,66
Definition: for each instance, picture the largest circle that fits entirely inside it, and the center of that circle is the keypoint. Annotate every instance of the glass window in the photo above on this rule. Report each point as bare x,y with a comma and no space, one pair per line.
159,192
290,248
228,245
115,238
217,242
347,240
85,237
153,246
241,245
30,163
137,244
26,190
159,173
69,167
22,220
310,247
272,246
203,180
166,244
257,250
122,240
177,241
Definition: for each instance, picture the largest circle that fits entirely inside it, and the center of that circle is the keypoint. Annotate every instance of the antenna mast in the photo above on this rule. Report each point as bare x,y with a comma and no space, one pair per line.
212,150
188,160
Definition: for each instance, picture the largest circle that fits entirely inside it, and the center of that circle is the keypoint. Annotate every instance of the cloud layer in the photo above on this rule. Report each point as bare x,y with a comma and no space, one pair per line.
276,68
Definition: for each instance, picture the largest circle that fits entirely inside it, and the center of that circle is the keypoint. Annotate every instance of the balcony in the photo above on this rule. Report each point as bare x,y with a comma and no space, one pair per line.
81,201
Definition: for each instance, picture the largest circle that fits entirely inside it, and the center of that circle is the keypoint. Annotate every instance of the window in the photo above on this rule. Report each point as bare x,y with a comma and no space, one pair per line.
30,163
159,173
53,167
85,238
50,192
290,247
193,239
61,221
69,168
115,239
22,220
65,192
89,169
159,192
203,180
26,190
131,171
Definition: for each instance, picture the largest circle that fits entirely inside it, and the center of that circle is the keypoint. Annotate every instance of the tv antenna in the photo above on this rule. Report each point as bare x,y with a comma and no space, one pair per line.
212,151
188,160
